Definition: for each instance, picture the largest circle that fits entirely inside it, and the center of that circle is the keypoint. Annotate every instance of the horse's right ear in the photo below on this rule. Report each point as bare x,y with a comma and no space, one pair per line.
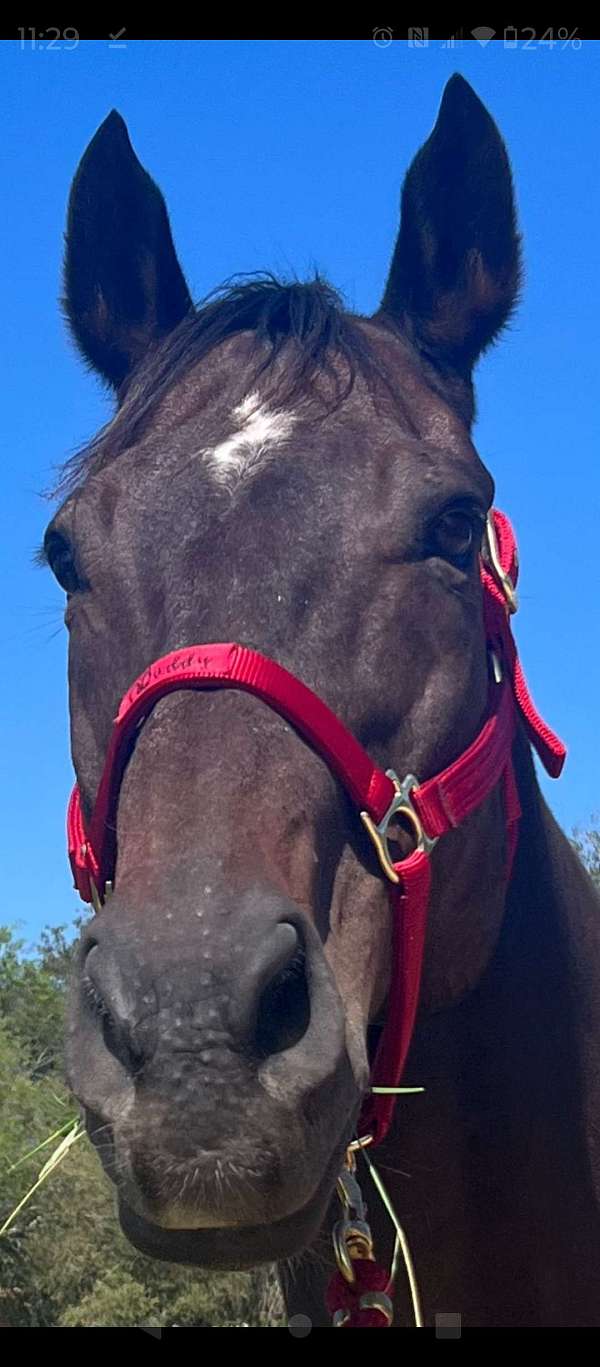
123,285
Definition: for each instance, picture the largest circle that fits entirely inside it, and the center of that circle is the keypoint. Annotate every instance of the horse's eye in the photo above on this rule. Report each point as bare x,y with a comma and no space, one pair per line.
61,560
455,534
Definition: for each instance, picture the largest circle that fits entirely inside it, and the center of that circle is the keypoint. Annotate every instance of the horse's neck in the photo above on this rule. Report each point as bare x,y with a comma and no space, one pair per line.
549,965
553,944
503,1200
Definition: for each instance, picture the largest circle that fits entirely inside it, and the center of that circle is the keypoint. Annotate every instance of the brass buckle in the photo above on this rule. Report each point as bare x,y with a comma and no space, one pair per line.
400,805
351,1239
504,580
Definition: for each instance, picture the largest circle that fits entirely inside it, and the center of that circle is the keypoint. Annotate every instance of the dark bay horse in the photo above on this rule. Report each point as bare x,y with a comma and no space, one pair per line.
285,475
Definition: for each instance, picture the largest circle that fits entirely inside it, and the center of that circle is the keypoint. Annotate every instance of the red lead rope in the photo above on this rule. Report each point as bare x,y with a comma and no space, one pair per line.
434,807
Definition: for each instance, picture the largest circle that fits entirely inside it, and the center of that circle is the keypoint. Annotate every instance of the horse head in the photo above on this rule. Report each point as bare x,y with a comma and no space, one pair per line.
281,473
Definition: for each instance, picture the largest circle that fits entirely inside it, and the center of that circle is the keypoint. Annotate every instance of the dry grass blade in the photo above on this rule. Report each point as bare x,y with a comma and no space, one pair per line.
395,1091
76,1132
68,1125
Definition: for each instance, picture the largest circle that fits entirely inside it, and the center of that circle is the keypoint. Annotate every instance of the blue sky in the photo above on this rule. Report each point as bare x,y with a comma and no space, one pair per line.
287,155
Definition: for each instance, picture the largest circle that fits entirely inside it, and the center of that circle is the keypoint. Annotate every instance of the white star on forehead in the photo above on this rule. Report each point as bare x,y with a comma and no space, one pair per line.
259,432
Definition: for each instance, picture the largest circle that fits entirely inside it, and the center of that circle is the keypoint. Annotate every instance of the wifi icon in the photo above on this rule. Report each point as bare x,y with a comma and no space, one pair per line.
483,35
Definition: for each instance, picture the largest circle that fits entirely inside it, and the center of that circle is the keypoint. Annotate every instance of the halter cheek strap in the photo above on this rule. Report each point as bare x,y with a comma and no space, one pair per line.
430,809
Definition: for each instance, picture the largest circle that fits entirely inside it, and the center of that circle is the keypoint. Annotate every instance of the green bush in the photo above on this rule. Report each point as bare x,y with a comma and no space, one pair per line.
64,1261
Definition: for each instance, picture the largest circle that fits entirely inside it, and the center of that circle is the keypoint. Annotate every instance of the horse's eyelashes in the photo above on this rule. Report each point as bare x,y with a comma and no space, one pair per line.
61,559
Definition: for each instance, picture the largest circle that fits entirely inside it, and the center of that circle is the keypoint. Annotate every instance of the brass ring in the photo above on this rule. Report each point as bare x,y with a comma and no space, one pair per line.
361,1143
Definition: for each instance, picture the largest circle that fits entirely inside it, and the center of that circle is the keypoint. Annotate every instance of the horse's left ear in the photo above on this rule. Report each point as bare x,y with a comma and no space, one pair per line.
455,273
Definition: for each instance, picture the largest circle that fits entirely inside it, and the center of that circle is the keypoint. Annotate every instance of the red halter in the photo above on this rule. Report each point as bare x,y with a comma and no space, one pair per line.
431,808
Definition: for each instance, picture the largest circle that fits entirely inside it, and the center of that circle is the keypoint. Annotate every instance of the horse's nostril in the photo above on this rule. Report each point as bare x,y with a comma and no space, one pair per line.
89,952
284,1008
93,995
105,1001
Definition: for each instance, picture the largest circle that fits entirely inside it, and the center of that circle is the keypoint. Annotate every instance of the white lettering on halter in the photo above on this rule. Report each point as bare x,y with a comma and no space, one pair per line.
258,433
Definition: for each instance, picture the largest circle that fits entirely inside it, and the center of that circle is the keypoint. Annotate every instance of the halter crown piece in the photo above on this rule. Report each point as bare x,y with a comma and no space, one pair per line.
431,809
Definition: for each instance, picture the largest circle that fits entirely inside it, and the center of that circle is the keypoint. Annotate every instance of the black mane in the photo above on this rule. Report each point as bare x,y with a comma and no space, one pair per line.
311,315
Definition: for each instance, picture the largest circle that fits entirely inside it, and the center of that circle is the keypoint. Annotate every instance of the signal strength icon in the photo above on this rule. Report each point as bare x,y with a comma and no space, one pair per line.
483,35
455,41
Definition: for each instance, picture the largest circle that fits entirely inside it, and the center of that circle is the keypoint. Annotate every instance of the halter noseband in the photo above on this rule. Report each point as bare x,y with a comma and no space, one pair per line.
431,808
